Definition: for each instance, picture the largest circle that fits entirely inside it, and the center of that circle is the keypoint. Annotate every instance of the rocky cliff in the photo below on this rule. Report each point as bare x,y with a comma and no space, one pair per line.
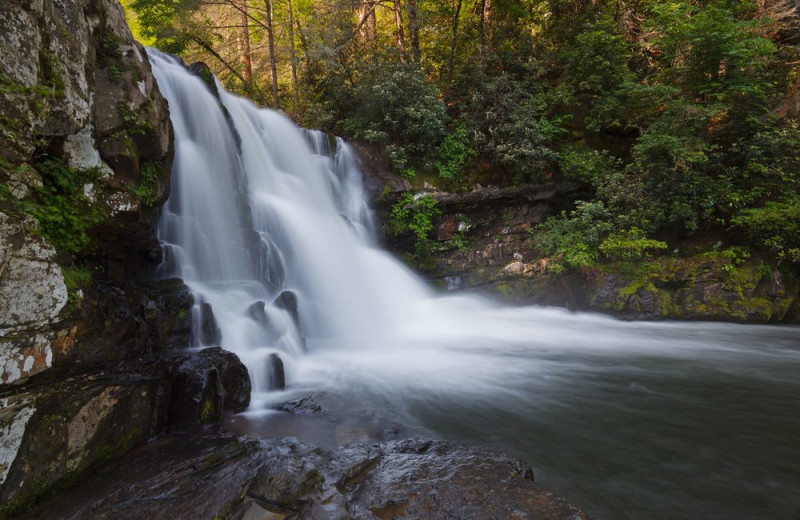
85,157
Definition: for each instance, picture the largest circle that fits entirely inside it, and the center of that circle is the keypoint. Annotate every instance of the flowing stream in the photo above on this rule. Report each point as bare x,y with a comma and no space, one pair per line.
268,226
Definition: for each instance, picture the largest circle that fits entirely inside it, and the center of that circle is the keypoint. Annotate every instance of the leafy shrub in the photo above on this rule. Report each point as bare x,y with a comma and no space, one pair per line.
572,239
775,227
455,154
393,104
512,128
415,214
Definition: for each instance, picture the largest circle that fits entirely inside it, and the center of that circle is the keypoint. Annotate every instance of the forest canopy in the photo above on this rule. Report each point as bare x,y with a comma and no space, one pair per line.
677,116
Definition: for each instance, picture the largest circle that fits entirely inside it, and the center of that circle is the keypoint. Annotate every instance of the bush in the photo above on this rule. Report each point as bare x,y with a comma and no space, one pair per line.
393,104
775,227
512,128
572,239
415,214
455,154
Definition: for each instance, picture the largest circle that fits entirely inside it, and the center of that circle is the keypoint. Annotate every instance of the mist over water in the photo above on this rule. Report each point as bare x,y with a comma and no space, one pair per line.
625,419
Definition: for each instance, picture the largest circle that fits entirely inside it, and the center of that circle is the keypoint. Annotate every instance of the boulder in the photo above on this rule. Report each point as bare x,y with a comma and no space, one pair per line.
204,385
32,289
287,300
303,406
277,377
257,313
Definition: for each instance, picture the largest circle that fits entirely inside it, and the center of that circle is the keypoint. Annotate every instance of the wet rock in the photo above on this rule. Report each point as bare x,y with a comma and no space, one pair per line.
303,406
257,313
202,71
277,377
209,331
410,479
204,385
287,300
515,267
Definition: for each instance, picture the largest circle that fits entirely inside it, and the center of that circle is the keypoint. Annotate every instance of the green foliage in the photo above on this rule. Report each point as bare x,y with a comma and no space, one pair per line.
166,24
393,105
75,278
630,244
512,128
775,227
455,154
415,214
135,123
573,239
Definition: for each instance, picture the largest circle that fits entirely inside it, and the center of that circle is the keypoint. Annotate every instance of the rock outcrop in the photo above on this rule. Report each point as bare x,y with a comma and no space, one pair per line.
276,479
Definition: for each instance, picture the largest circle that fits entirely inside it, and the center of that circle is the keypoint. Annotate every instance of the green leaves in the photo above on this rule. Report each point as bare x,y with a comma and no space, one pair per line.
455,154
415,214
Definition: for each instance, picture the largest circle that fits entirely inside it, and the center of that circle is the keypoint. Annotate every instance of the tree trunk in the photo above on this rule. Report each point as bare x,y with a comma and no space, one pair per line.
244,44
398,20
367,27
484,29
451,61
303,44
272,63
413,29
292,56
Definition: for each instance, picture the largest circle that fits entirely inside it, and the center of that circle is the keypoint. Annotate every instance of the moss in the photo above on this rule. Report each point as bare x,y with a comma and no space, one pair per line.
207,412
147,187
75,278
50,72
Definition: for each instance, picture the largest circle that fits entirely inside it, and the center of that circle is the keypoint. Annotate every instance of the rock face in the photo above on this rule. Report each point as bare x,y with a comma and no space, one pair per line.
87,348
484,243
276,479
76,91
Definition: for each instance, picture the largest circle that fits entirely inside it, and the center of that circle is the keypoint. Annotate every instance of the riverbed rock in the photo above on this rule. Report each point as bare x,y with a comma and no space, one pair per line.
409,479
303,406
287,300
47,438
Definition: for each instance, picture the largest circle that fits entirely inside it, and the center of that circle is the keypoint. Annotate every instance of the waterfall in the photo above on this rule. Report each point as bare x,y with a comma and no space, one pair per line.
261,209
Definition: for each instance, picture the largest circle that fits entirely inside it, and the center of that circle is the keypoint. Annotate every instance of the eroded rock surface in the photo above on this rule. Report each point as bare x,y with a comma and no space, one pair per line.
228,478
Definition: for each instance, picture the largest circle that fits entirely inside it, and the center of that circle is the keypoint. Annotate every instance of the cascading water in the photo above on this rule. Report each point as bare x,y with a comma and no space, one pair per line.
627,420
261,208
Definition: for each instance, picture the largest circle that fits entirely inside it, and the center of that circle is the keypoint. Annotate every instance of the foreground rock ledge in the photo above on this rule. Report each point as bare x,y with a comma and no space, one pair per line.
285,479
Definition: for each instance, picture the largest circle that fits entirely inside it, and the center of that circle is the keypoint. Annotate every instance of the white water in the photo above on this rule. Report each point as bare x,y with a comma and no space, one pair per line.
620,417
